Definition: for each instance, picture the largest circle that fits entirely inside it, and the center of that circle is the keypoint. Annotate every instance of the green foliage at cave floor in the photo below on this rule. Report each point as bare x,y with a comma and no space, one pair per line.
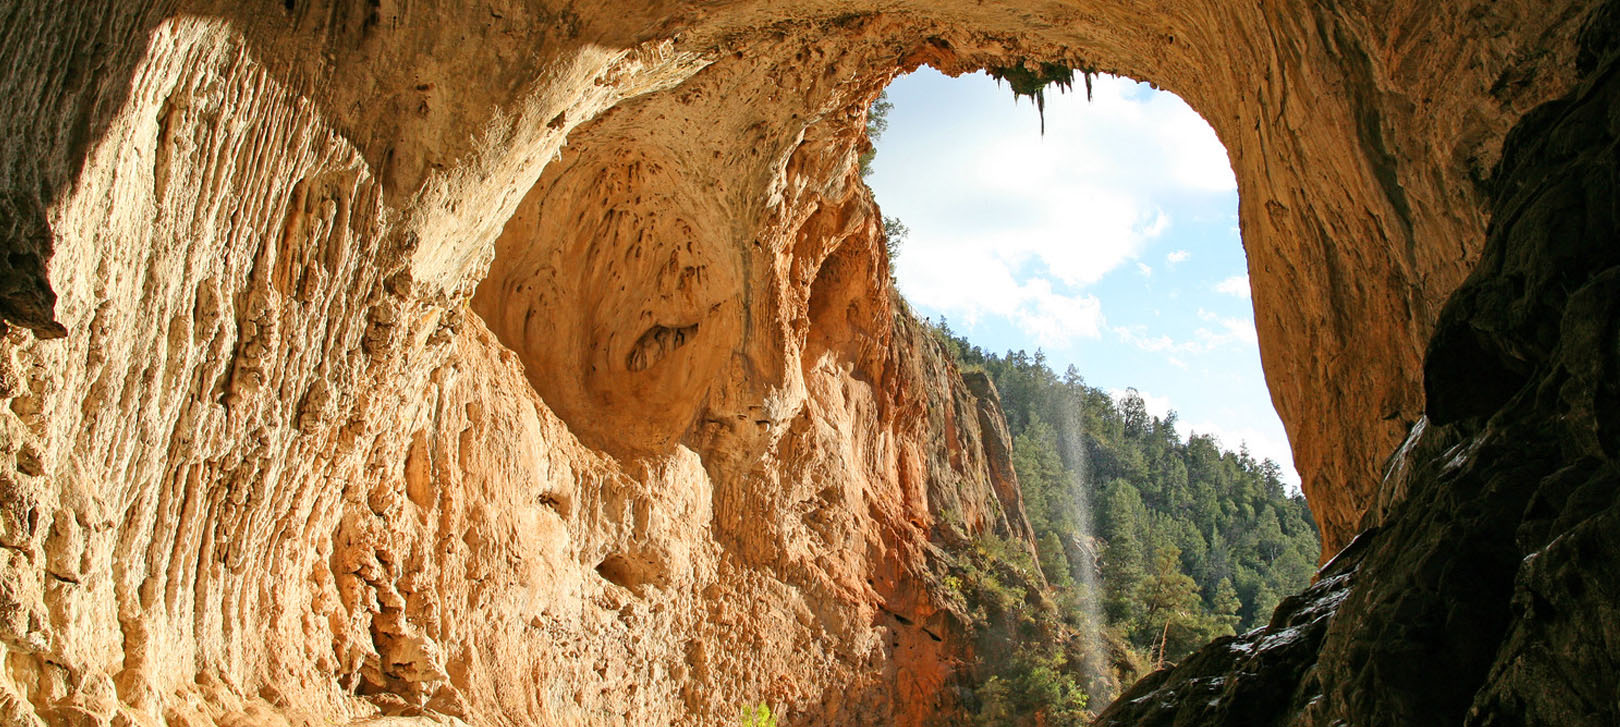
1191,542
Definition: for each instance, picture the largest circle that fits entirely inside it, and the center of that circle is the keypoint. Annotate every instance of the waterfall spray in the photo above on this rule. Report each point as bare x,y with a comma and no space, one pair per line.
1072,450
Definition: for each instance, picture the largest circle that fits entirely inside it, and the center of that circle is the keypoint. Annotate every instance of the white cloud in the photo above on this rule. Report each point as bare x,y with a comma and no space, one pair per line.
1201,161
1137,336
1226,331
1222,331
1263,444
1055,320
1184,149
1237,285
1037,208
1178,256
970,282
1158,406
1156,228
1230,330
1079,210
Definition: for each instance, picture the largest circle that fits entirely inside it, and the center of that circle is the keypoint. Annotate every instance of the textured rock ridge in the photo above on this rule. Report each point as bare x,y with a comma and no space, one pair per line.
1486,596
530,363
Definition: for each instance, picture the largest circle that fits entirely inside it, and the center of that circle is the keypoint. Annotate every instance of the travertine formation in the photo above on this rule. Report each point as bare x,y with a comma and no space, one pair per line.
535,363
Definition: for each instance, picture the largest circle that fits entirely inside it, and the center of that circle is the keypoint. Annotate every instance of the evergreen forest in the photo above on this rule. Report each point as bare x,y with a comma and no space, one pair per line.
1150,543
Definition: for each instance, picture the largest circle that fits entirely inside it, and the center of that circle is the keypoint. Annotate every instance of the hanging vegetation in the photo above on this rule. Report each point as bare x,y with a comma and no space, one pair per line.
1026,81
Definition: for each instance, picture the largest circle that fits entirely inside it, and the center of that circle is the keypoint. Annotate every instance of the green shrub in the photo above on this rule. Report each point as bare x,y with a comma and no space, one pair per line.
759,716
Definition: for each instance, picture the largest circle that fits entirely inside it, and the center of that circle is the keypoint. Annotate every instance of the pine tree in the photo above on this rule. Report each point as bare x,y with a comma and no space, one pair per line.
1169,599
1122,563
1226,605
1265,601
1133,410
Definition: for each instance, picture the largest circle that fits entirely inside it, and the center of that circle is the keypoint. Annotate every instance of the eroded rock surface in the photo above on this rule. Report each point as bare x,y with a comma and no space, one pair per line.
532,363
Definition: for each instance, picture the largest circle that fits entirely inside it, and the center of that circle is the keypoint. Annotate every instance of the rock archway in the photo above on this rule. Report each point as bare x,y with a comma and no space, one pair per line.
1359,178
677,453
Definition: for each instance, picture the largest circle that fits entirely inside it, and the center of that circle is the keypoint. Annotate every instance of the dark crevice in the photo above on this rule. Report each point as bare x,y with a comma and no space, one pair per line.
631,572
656,343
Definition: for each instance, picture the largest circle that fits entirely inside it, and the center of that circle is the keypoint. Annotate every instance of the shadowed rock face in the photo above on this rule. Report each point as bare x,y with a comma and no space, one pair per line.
1487,595
536,363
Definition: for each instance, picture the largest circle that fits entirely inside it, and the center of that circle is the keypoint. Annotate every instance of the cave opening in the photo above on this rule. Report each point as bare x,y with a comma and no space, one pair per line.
683,456
699,271
692,273
1084,255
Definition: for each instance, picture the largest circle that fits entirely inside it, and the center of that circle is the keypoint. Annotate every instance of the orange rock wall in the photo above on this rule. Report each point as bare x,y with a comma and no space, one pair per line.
270,457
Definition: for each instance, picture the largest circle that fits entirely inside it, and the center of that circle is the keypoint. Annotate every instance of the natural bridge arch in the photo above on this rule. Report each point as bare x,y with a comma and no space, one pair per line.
1360,207
260,225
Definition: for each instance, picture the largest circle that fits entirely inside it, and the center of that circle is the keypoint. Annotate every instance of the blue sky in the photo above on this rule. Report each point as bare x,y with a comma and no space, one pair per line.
1111,242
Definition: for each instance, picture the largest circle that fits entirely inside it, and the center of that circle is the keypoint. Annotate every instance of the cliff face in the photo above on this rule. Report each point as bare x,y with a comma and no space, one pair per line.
535,363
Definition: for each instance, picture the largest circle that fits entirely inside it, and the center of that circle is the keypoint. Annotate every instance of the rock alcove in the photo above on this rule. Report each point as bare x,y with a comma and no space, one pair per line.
360,354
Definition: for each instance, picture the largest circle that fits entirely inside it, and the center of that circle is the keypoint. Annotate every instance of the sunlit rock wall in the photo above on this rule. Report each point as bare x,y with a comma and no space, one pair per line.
536,364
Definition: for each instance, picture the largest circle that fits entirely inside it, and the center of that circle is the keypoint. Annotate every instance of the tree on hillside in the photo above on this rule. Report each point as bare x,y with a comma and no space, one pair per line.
1226,605
877,122
1133,411
1169,600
